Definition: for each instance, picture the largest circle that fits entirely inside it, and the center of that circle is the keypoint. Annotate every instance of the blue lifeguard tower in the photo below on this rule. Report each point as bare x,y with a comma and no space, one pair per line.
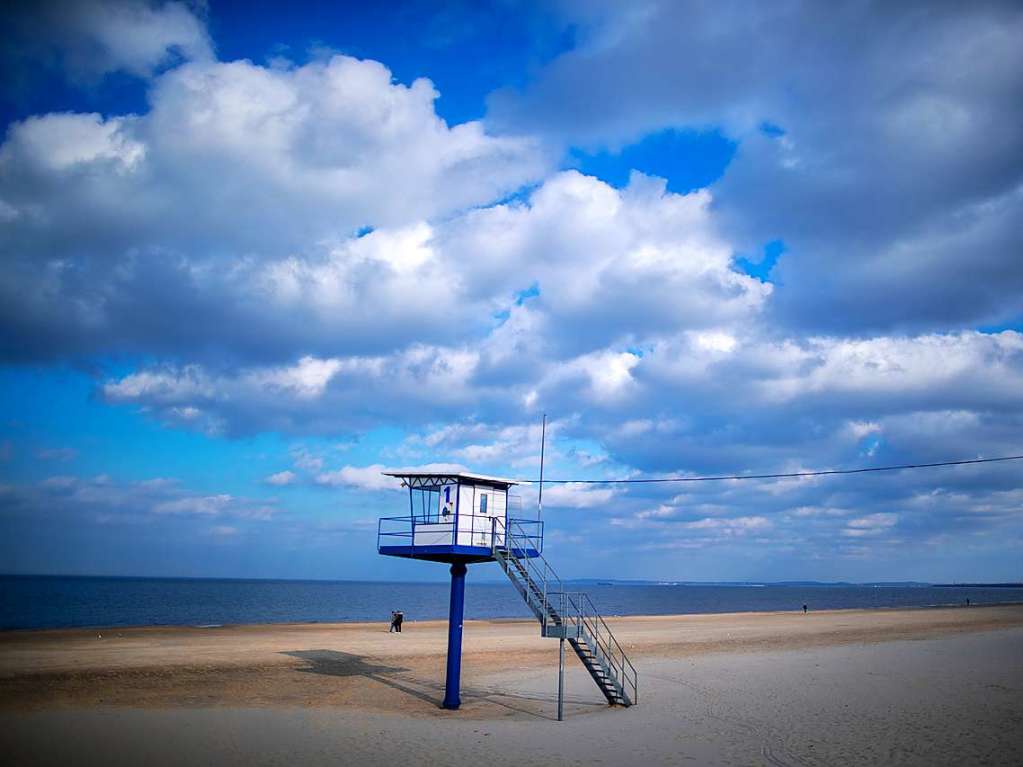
461,518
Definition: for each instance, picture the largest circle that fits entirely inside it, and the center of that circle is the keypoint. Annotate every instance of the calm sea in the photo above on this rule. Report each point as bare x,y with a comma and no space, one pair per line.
31,602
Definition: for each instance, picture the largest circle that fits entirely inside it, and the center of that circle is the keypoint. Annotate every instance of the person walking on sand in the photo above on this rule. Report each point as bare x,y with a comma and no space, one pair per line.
395,626
399,616
804,609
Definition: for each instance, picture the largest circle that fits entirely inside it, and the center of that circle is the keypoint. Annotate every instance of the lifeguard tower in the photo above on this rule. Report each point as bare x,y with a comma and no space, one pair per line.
462,518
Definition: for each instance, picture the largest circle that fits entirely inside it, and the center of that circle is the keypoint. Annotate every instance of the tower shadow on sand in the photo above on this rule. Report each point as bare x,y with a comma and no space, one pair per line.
343,664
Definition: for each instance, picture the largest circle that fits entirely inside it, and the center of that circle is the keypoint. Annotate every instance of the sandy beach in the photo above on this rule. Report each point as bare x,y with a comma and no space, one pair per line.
927,686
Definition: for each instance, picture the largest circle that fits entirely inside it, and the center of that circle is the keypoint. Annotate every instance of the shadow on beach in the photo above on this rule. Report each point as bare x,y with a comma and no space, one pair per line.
343,664
335,663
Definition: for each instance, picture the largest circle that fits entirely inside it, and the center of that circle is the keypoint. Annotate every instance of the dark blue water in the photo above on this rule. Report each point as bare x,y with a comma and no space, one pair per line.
63,602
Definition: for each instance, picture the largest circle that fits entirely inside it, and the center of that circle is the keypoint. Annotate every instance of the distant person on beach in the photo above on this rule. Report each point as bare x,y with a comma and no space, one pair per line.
967,601
804,609
394,622
398,618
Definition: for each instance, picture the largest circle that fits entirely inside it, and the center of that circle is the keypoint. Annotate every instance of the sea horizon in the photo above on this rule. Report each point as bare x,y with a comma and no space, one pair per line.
59,601
583,579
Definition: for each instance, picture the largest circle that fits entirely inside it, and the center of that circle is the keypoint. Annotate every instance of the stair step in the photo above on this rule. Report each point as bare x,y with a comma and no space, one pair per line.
604,675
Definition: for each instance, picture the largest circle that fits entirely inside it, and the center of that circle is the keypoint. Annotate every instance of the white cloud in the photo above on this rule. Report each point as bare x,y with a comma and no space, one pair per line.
870,525
306,460
609,373
901,365
576,496
281,478
361,477
221,504
715,341
331,392
58,144
372,477
663,511
312,250
139,37
818,511
112,501
305,380
336,138
735,525
91,38
157,385
608,263
208,505
860,429
927,102
274,170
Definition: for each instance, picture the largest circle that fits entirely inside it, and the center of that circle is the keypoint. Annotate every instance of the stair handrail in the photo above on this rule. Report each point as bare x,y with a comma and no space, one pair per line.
514,537
609,648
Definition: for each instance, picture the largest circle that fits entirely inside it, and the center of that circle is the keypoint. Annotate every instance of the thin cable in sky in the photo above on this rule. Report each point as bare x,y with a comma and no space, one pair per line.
789,475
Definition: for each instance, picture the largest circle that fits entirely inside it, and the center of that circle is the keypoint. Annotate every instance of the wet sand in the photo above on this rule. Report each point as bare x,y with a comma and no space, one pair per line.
935,686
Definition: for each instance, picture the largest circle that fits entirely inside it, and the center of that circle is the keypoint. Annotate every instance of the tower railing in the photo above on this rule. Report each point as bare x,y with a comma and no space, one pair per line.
476,530
565,614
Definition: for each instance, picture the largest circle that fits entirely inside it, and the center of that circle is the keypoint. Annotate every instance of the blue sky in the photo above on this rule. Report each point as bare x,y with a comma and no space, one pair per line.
252,257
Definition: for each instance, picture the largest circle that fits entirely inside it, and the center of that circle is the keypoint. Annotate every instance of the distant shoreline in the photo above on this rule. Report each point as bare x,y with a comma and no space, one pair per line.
508,619
494,581
979,585
54,602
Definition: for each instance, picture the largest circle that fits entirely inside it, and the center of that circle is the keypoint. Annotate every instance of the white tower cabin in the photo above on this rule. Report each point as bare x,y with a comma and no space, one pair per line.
461,519
456,517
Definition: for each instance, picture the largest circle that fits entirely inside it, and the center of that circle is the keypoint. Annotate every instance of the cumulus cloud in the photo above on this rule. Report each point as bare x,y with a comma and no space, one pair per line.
362,477
880,142
209,505
573,495
873,524
91,38
274,170
314,395
840,525
607,264
480,444
652,255
901,366
59,143
372,477
281,478
735,525
309,250
107,500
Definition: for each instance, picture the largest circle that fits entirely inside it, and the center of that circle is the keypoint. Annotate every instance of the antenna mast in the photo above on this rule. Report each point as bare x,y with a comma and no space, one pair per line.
543,440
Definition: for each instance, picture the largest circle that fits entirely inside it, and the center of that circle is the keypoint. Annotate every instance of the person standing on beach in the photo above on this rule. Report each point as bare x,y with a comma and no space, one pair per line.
398,618
804,609
395,626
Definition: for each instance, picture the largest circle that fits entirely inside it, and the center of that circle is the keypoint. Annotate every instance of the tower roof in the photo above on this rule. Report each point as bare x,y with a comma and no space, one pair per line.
437,478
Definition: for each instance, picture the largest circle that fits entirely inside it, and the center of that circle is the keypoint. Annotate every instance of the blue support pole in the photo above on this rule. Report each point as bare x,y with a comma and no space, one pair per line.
452,698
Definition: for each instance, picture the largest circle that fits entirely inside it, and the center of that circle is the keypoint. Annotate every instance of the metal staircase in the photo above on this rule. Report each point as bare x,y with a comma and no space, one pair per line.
563,614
